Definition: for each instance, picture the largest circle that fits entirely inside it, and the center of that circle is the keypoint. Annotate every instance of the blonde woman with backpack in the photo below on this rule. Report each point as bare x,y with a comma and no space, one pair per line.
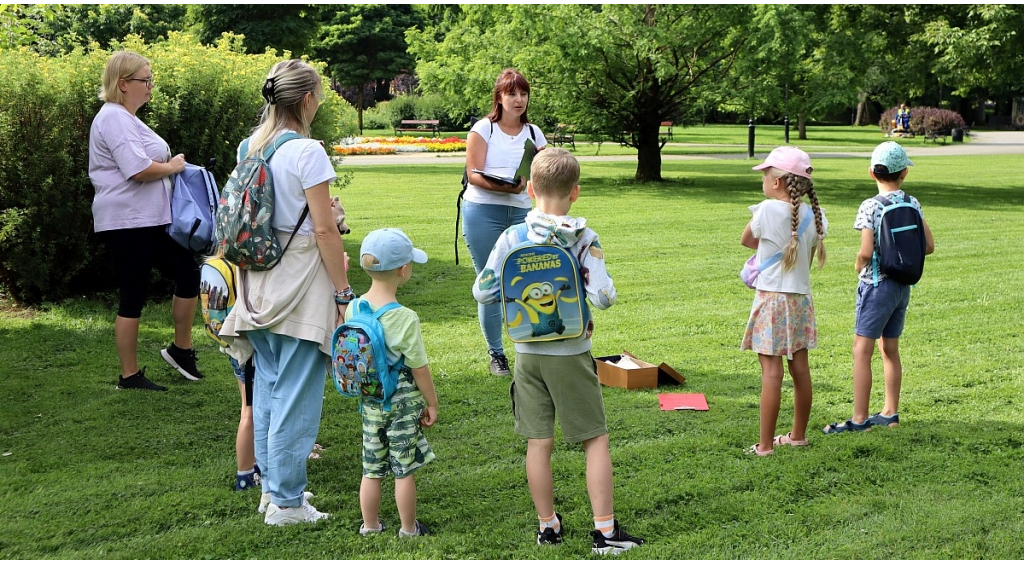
286,315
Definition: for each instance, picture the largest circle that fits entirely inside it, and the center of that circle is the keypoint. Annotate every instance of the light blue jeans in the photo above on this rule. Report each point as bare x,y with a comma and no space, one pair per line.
287,402
482,224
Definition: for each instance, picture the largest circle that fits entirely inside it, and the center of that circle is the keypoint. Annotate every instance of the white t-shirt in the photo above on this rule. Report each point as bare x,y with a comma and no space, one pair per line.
504,153
296,166
121,146
772,224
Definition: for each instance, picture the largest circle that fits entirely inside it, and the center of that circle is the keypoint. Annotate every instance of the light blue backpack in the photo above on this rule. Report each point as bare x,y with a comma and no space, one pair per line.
359,357
193,209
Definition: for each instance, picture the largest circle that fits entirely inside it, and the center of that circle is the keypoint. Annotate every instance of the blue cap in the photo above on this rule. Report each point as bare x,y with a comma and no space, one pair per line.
890,155
392,248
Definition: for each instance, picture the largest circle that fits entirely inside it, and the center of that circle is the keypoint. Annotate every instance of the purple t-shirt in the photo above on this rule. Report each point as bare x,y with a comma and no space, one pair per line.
121,146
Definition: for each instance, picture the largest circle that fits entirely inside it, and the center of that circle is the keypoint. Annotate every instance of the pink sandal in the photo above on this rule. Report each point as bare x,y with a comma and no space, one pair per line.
757,450
785,440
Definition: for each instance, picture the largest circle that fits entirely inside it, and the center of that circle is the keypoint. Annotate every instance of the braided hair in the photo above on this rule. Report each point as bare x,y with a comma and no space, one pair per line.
798,186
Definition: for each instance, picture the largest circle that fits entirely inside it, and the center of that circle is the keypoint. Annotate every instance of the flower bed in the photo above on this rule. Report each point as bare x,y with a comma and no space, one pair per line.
392,145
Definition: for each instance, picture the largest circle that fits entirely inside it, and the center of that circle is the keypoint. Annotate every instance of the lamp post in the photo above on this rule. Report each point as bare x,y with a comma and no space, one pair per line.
750,139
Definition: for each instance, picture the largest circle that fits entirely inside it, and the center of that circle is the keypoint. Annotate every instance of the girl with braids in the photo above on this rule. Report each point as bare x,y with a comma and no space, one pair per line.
782,318
287,314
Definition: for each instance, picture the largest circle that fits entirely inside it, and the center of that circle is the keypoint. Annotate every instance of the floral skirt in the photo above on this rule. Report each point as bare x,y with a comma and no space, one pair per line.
780,324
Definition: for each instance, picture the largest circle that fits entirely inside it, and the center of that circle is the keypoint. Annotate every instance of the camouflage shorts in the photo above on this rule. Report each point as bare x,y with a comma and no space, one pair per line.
393,442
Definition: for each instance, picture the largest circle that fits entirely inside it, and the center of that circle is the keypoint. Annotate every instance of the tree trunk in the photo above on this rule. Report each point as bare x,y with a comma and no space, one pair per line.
801,125
648,156
359,107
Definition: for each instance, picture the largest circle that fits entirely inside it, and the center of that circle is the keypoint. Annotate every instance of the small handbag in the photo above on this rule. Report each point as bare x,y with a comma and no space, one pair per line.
751,268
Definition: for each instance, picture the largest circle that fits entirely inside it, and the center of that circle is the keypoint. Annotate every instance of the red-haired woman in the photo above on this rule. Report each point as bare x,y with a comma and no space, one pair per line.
496,145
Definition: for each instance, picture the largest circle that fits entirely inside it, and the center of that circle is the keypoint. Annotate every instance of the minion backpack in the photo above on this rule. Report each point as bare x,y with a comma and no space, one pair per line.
542,292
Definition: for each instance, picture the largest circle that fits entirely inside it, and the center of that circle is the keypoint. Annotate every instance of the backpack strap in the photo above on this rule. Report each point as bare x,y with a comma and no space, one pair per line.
383,309
804,223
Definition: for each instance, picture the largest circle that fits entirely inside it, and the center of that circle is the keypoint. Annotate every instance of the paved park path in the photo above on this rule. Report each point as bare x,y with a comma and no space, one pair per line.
981,143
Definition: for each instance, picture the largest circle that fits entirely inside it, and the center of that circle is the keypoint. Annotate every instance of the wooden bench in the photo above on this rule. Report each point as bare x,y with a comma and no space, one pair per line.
564,133
934,135
665,129
420,125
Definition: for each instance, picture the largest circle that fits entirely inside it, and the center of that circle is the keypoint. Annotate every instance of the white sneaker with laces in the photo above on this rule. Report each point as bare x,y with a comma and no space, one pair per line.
265,500
282,516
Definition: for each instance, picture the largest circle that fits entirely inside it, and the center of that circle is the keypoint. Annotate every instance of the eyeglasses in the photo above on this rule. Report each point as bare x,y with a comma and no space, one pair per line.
148,81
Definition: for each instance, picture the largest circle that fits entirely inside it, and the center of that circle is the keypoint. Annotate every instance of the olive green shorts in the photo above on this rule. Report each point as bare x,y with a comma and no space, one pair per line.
544,386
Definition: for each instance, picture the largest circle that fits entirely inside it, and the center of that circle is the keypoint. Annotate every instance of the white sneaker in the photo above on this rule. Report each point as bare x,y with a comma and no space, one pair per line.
265,500
304,513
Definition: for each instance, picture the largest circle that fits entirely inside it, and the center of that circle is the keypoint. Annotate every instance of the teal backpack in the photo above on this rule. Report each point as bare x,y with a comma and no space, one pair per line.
542,292
244,227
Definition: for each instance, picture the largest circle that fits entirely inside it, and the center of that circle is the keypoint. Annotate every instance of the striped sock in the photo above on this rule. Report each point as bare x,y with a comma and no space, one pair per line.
606,525
550,522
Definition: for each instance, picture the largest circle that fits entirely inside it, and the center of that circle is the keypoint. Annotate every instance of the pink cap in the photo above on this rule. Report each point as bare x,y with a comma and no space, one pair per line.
789,159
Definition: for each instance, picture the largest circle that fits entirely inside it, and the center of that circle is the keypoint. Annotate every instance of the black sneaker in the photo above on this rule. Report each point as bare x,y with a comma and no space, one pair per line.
499,363
183,360
138,381
618,543
549,536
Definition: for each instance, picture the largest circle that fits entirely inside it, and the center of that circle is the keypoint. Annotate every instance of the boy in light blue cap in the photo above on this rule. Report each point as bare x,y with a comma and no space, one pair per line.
881,307
393,441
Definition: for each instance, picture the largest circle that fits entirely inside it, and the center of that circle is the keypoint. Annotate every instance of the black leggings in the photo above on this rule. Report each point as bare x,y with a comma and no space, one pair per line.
135,252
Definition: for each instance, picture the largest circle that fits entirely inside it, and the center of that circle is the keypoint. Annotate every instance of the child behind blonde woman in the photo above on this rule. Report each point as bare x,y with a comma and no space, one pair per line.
782,320
393,441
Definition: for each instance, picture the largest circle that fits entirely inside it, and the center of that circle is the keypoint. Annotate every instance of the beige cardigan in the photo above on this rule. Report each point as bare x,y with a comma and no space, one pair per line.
295,298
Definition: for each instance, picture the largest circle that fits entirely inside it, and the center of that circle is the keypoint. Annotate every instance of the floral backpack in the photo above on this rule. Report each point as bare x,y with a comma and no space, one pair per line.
244,227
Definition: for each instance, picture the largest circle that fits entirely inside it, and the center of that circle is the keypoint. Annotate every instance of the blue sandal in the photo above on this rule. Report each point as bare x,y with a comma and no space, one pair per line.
847,425
884,421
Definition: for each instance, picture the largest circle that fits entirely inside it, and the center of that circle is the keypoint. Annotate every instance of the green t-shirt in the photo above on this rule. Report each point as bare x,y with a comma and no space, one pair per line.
401,334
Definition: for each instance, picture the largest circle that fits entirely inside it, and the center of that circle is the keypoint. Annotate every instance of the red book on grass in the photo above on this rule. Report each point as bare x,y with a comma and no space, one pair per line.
675,402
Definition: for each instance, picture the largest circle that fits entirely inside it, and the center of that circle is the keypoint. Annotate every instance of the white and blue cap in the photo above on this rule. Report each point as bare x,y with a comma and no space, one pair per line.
392,248
891,156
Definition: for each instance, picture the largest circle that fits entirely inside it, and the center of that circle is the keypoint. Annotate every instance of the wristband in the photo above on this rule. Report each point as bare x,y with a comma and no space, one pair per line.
345,296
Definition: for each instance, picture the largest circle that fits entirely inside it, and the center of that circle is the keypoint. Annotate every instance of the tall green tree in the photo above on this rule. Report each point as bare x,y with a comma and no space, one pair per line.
364,43
285,27
609,69
81,24
24,24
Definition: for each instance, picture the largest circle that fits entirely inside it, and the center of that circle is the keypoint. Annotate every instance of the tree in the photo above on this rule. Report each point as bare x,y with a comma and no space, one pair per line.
978,49
285,27
81,24
364,43
24,24
609,69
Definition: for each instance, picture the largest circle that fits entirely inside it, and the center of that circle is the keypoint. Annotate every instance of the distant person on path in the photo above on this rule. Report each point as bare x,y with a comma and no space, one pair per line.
288,314
496,145
782,319
881,308
559,377
130,166
393,441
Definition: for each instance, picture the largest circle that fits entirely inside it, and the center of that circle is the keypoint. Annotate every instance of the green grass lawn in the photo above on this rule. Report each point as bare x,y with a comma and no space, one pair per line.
94,473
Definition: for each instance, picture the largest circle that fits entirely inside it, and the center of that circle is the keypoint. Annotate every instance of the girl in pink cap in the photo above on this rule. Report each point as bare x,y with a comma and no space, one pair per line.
781,320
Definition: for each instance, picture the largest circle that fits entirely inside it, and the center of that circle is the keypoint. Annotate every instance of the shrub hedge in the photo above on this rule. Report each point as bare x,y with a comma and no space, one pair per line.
924,118
205,101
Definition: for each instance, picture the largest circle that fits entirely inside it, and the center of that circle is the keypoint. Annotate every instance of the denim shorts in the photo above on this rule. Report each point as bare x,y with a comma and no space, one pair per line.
881,310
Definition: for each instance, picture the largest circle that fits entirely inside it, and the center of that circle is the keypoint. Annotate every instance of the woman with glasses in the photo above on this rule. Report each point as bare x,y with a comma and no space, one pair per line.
131,169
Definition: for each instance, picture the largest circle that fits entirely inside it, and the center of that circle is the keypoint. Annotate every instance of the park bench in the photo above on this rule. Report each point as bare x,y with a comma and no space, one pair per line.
665,129
935,135
420,125
564,133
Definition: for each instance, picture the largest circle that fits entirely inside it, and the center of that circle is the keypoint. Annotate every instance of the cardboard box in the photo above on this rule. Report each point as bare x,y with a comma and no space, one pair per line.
647,376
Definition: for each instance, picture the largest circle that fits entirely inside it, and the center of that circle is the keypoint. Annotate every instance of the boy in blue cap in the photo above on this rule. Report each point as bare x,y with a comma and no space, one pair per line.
881,308
393,441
